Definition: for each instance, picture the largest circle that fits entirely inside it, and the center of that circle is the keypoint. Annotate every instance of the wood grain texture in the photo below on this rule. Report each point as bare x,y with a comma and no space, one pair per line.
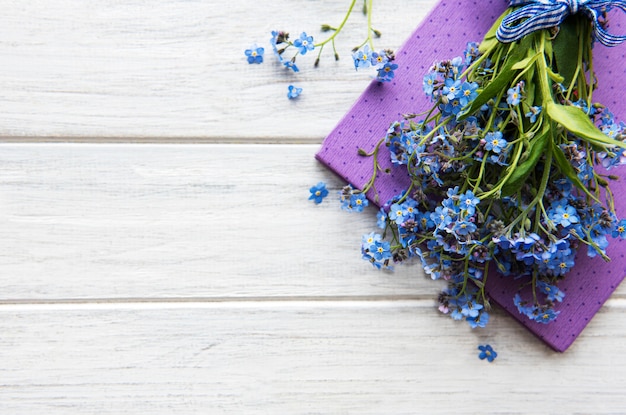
198,279
119,221
80,221
299,358
176,69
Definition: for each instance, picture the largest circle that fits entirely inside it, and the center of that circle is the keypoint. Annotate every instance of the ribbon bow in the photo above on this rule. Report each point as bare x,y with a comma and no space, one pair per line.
543,14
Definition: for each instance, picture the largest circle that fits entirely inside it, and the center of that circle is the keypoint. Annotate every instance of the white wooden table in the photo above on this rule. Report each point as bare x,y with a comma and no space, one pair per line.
158,253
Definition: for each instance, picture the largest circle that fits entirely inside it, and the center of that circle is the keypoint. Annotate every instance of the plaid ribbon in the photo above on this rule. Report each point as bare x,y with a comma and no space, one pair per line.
543,14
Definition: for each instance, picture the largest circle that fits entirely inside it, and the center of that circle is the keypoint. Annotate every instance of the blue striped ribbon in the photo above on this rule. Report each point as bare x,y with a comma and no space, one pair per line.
543,14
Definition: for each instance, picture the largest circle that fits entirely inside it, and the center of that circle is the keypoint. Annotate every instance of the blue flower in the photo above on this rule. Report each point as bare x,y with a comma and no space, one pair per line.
381,219
255,54
468,202
452,88
399,213
545,316
293,92
304,43
318,192
620,229
351,200
524,243
453,107
564,263
479,321
386,73
428,84
564,215
425,222
522,307
551,291
457,64
487,352
606,117
471,308
362,58
471,52
464,227
378,59
532,114
441,217
514,96
585,173
381,251
291,65
275,40
600,243
358,202
368,242
468,92
495,142
376,251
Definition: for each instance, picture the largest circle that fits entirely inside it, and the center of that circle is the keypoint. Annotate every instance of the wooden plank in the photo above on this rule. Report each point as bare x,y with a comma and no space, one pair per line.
80,221
176,69
166,221
300,358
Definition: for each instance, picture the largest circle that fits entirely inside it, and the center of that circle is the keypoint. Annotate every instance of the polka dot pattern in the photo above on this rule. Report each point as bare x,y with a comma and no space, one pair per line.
443,35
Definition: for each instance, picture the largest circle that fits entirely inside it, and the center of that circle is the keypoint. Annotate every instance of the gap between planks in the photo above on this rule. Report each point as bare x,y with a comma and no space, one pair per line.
399,301
219,302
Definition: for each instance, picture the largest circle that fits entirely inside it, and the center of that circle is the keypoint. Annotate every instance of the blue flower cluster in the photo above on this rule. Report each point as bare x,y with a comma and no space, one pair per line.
381,61
466,212
444,83
377,251
352,200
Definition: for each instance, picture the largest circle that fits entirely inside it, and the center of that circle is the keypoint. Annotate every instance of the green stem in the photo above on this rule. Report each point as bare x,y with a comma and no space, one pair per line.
369,23
540,192
338,29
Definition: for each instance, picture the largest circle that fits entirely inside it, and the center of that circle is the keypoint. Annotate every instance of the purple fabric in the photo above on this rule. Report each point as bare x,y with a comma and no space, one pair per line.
443,35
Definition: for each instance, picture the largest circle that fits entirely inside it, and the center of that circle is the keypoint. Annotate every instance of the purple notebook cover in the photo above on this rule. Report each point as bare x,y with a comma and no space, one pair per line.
444,34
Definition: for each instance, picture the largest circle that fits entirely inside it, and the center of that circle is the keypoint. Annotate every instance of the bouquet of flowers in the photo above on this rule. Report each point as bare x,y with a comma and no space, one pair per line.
510,167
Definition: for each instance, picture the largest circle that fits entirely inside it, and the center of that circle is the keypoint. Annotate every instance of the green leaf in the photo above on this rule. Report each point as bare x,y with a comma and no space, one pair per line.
574,120
523,170
501,81
568,170
565,47
525,63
